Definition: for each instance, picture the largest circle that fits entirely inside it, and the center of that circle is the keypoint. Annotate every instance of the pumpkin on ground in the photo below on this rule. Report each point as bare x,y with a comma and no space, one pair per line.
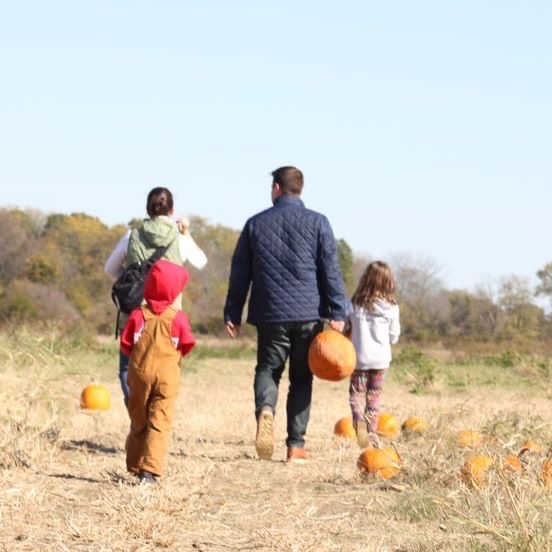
414,425
467,438
547,474
475,470
344,428
530,446
512,463
382,463
388,425
331,356
95,397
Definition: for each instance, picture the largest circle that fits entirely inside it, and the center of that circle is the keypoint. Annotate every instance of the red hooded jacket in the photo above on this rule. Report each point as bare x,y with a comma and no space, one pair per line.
164,283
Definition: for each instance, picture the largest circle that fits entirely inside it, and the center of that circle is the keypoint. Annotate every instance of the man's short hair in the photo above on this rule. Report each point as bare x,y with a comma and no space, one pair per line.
290,180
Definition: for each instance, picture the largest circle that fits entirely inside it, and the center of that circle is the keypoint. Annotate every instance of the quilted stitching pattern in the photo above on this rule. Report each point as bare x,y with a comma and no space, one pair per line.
289,255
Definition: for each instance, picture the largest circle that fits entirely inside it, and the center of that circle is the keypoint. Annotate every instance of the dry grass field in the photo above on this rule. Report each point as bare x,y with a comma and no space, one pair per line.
63,484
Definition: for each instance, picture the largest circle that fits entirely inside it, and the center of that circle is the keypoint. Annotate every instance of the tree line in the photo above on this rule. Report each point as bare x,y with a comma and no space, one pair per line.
51,270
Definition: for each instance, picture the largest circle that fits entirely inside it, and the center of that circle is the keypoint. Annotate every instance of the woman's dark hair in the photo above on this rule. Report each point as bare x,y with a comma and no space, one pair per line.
160,202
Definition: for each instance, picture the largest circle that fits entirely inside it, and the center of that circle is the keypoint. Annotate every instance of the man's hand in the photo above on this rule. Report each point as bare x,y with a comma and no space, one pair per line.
233,330
337,325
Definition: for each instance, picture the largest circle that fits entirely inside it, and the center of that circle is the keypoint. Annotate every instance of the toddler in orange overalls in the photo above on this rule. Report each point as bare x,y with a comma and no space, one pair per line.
155,337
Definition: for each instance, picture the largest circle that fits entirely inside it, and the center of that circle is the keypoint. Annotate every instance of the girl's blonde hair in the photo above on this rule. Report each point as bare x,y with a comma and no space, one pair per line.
377,282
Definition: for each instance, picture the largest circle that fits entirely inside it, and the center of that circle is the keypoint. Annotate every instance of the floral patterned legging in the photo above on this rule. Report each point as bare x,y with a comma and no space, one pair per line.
364,396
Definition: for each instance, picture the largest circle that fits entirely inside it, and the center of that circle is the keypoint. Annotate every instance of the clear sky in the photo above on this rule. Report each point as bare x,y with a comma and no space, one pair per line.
423,128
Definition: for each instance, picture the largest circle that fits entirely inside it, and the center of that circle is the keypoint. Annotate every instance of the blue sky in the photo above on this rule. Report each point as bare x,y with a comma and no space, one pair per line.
423,128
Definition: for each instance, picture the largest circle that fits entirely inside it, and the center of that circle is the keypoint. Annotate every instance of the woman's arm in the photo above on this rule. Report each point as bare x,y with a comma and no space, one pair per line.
114,263
191,252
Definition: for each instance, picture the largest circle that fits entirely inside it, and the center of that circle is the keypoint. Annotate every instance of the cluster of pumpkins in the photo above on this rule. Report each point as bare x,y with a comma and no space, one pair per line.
476,468
332,357
385,463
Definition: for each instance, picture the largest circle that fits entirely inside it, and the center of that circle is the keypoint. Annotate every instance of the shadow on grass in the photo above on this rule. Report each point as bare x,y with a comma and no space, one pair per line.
89,446
69,476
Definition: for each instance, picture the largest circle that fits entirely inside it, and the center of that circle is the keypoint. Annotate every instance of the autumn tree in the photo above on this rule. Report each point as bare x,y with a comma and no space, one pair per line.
420,292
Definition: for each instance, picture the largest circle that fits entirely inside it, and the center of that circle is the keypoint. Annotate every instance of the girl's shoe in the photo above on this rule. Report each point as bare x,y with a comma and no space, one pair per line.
374,440
363,439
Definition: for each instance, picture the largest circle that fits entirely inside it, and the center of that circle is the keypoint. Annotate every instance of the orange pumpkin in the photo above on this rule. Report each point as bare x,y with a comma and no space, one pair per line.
331,356
414,425
475,470
467,438
547,474
530,446
95,397
388,425
512,463
344,428
382,463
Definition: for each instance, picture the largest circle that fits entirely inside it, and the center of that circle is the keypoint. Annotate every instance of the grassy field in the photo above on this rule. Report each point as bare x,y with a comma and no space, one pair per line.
63,484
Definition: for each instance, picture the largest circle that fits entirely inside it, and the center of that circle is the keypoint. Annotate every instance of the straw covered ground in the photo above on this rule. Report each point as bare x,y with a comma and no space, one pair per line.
63,484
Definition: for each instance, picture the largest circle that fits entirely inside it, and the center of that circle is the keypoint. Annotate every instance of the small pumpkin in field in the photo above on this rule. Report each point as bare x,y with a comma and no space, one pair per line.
512,463
530,446
95,397
344,428
414,425
475,470
383,463
547,474
331,356
468,438
388,425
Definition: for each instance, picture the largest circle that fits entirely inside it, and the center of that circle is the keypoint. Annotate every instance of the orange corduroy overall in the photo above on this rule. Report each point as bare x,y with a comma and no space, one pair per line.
153,379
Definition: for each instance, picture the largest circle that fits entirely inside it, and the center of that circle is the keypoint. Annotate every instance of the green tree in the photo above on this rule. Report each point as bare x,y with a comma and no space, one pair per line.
522,317
545,277
346,263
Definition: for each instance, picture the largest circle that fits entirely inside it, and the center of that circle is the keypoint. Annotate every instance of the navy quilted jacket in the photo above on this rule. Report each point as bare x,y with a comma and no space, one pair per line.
288,254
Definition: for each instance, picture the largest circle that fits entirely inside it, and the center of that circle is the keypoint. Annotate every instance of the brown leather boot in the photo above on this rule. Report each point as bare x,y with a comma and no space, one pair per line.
297,455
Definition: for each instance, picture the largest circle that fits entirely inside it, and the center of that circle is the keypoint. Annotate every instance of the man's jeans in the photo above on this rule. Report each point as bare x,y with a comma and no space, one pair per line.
276,342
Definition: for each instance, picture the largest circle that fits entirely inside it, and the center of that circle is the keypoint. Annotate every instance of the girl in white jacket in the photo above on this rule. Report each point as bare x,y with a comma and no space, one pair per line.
373,322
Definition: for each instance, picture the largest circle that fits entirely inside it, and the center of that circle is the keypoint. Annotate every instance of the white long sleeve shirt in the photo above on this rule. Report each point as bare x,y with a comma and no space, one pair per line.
373,333
189,251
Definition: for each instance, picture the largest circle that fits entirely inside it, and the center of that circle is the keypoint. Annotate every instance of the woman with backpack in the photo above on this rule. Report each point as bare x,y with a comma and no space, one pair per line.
137,245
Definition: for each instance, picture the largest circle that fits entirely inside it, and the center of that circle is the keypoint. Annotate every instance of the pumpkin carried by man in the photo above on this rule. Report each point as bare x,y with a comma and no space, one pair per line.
331,356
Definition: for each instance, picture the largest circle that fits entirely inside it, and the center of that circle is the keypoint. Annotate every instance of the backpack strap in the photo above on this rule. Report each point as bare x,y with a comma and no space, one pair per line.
157,254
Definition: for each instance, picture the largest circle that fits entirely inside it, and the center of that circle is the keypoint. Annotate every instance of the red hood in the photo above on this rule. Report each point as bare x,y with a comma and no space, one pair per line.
163,284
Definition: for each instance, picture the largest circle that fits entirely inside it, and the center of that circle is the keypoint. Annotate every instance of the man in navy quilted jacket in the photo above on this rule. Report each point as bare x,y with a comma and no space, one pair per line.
287,254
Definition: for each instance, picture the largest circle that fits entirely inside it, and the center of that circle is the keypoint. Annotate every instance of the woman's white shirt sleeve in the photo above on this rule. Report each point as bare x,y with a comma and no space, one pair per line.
114,264
191,252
